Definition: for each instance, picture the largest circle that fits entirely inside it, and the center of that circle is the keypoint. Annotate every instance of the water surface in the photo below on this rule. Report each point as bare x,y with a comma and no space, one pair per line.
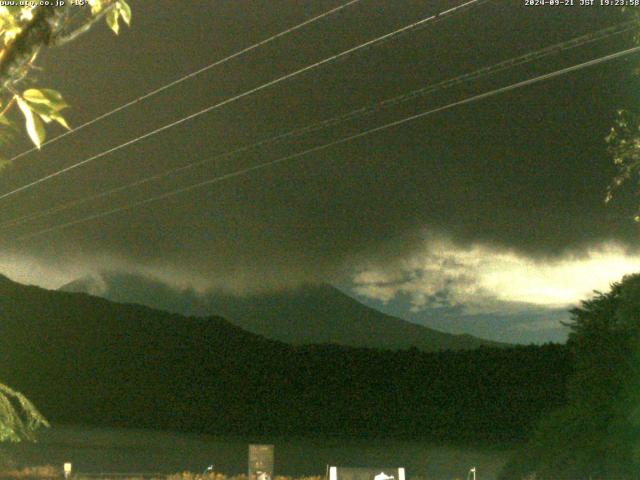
95,450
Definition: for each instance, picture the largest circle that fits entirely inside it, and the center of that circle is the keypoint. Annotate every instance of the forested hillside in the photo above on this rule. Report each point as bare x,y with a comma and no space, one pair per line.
82,359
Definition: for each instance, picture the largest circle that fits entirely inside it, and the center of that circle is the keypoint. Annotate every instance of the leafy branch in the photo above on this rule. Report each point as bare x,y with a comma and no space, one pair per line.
624,139
19,418
24,32
624,147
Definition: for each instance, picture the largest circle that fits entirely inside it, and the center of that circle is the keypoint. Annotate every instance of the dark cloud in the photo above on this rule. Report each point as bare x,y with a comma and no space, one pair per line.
525,171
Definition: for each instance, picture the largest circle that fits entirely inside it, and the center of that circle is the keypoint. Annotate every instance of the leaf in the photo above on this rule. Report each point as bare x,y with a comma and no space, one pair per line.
35,129
9,15
10,34
112,20
26,14
45,96
47,104
125,11
96,6
42,110
48,114
60,119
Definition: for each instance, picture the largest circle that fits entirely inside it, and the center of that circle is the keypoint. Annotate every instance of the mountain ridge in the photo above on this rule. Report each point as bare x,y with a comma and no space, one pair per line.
308,315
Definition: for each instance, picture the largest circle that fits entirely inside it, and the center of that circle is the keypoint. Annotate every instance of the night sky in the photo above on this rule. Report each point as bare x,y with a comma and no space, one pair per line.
492,210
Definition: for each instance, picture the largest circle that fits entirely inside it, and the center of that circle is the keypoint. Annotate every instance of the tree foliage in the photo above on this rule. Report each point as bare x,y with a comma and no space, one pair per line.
624,141
624,148
24,31
19,418
597,435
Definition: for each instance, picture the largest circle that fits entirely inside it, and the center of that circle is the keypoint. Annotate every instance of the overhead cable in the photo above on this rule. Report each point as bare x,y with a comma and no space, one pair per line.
235,98
336,120
244,171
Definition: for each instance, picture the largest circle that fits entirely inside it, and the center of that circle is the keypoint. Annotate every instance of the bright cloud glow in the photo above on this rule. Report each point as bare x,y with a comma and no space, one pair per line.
31,272
480,278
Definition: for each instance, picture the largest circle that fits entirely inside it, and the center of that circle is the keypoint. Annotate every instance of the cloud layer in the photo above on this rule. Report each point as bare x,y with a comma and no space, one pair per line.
485,280
515,183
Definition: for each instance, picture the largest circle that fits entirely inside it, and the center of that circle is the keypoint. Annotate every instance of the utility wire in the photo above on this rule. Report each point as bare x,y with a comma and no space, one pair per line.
352,115
186,77
235,98
325,146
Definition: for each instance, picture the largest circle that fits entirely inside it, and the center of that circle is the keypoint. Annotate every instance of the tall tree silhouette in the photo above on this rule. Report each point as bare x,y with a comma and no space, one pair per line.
597,435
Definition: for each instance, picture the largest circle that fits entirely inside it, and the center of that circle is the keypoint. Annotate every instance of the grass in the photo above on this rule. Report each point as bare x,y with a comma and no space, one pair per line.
50,472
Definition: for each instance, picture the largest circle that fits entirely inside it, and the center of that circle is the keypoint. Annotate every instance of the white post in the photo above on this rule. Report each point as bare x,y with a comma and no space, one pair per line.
333,473
67,467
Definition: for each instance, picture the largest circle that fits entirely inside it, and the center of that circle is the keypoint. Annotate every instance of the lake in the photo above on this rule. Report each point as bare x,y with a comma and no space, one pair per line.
94,450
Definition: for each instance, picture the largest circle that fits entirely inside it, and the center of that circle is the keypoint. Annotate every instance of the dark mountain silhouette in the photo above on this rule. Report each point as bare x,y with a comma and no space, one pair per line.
310,315
87,360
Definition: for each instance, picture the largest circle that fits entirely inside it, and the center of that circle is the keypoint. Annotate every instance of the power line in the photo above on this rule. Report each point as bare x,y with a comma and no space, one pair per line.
354,114
325,146
235,98
187,77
